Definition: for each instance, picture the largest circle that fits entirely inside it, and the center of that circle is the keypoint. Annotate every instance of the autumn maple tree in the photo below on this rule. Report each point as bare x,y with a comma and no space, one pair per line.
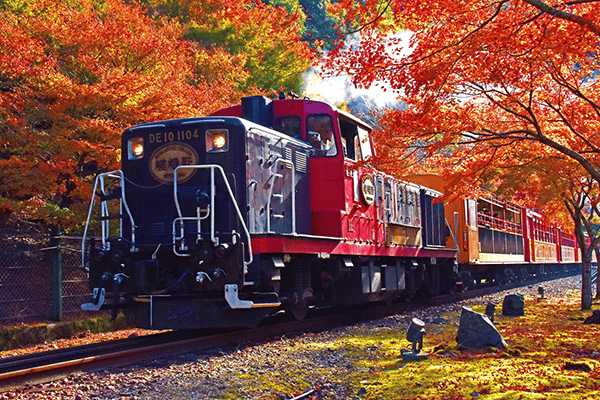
75,74
265,40
484,82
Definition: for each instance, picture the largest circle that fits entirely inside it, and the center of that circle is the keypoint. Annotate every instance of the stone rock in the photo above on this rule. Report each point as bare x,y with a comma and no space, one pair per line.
476,331
594,318
513,305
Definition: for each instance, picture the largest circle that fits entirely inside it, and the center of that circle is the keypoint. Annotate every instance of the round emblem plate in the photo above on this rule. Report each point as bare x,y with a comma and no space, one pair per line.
367,189
169,156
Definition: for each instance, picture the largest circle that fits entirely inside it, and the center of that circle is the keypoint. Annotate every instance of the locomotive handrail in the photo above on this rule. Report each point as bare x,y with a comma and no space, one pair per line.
213,238
293,193
116,174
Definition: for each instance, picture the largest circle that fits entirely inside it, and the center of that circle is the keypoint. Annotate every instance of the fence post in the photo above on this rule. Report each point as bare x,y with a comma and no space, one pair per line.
56,273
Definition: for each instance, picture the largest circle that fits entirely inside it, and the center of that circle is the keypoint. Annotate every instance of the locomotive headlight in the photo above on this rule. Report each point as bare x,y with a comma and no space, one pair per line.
217,140
135,148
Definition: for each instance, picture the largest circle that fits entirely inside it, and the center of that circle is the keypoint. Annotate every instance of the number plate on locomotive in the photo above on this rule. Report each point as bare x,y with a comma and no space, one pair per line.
167,157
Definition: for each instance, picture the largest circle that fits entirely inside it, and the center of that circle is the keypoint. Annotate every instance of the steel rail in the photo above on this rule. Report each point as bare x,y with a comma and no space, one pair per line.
47,366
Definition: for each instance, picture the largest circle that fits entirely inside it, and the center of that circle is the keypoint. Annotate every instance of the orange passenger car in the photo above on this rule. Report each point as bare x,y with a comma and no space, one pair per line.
498,240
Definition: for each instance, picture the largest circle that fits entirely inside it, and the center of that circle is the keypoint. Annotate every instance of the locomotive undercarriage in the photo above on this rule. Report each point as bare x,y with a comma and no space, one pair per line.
304,281
502,274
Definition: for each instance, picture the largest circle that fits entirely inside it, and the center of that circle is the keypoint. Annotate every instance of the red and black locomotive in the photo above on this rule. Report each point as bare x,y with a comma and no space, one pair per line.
221,220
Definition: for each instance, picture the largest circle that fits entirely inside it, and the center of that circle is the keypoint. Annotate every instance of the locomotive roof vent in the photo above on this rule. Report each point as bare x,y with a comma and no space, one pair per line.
258,109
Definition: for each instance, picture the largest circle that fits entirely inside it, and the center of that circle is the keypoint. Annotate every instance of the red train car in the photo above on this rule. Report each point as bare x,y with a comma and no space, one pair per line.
498,240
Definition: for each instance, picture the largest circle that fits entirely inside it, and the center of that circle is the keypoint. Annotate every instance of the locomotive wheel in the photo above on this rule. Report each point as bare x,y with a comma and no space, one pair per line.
298,311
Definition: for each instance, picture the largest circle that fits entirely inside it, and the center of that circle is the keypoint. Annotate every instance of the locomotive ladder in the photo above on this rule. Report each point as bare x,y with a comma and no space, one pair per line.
118,193
280,196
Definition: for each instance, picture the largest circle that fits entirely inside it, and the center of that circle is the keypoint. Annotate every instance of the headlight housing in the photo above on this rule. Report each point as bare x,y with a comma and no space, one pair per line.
135,148
217,140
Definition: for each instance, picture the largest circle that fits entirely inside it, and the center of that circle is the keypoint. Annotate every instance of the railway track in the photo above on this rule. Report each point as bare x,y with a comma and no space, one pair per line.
46,366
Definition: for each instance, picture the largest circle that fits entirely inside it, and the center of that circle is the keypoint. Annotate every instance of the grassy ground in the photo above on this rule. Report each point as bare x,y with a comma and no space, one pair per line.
551,355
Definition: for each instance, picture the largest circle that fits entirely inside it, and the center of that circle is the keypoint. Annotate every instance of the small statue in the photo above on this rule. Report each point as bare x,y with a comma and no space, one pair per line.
415,334
541,293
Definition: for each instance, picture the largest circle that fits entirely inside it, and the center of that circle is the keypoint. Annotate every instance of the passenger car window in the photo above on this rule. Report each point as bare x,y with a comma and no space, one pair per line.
320,134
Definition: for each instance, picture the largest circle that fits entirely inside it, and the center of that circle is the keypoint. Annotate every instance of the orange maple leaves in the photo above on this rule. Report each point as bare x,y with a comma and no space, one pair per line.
494,84
73,75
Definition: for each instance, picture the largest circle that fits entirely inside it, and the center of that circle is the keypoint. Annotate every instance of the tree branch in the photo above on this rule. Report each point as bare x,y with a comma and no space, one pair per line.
540,5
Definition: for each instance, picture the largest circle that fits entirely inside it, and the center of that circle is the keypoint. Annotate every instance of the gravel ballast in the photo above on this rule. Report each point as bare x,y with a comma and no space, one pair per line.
276,369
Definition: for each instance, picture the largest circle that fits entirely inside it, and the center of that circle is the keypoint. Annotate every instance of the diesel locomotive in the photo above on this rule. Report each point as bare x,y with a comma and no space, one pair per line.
263,207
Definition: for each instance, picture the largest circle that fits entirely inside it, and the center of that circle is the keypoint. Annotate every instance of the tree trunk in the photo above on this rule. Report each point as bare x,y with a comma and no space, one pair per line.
597,250
586,281
587,249
586,256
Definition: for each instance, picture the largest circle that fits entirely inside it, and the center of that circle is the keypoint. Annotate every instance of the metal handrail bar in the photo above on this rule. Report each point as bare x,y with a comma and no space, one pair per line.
212,168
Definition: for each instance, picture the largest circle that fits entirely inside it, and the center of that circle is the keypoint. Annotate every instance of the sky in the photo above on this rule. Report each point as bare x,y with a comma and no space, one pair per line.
339,89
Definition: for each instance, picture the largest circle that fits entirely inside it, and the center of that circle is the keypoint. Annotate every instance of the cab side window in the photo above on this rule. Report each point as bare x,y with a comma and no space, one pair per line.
350,140
320,134
288,125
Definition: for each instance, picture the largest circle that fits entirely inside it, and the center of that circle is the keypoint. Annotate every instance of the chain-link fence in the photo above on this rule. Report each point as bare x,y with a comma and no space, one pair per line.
30,260
75,290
